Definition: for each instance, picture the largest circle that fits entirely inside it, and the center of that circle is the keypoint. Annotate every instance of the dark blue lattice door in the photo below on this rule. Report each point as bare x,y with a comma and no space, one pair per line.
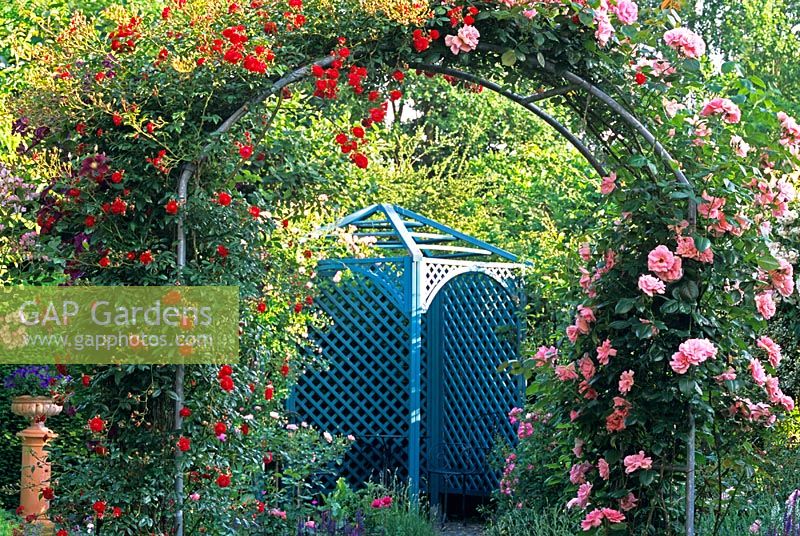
473,326
363,391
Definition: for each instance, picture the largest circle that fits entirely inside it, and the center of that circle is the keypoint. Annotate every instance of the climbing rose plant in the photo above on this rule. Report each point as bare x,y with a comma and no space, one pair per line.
670,321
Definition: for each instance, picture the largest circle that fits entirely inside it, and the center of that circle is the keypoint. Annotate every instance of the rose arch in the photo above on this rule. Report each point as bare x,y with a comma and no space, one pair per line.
665,354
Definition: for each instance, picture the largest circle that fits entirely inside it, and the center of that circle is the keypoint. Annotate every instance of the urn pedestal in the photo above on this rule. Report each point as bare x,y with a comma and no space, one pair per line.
35,474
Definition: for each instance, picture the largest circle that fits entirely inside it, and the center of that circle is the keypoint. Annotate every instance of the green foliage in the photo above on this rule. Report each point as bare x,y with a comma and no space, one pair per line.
526,521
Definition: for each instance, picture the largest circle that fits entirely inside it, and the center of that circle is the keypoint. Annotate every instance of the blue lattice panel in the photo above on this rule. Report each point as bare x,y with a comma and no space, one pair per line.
364,390
478,328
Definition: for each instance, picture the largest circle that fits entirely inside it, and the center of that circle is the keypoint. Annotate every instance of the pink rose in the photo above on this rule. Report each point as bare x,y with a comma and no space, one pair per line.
609,184
634,462
466,40
772,348
660,259
626,382
593,519
727,108
626,11
765,304
603,468
757,371
605,351
685,42
651,285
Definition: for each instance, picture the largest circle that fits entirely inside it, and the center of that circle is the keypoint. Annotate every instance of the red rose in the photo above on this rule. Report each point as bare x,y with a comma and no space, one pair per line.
73,192
184,444
104,262
341,138
377,114
255,211
89,221
220,428
85,380
395,94
226,383
262,307
224,199
99,508
223,481
131,256
246,151
435,34
360,160
285,224
358,132
185,412
245,429
62,532
268,458
222,251
150,127
285,370
116,177
146,258
117,119
309,300
165,13
99,77
373,96
171,207
298,307
118,206
307,253
398,75
96,424
232,56
116,511
269,393
641,78
224,370
48,494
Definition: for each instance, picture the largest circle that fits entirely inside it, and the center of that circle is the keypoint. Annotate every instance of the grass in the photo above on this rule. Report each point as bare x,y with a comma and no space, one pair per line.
527,522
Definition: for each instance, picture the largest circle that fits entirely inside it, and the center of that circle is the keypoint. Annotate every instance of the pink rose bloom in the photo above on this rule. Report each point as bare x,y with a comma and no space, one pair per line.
566,373
603,468
609,184
529,13
773,389
574,414
545,356
634,462
787,402
593,519
572,333
615,422
739,146
585,252
727,376
772,348
586,390
604,30
524,430
587,313
626,11
582,500
613,516
757,371
687,249
466,40
577,473
605,351
685,42
674,273
783,278
660,259
651,285
755,528
698,350
626,382
712,206
680,363
628,502
725,107
586,366
765,304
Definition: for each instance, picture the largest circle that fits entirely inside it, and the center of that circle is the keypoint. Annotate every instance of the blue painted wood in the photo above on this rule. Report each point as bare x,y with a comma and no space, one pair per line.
412,348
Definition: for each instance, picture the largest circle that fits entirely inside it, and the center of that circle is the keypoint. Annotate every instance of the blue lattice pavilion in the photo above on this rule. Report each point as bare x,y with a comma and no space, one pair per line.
417,334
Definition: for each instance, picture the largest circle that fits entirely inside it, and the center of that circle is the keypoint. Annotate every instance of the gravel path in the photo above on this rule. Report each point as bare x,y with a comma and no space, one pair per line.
458,529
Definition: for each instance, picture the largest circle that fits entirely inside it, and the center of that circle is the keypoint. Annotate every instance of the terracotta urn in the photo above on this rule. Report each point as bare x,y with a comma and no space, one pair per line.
35,474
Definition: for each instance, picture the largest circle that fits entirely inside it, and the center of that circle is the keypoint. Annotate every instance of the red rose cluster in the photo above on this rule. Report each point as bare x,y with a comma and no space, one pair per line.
350,145
422,40
225,378
123,38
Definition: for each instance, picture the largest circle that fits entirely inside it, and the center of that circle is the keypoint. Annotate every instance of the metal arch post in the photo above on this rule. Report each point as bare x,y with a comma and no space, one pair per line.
417,275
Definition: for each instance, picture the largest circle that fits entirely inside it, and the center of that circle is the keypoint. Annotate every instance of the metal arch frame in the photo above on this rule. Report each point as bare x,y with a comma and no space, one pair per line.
189,169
